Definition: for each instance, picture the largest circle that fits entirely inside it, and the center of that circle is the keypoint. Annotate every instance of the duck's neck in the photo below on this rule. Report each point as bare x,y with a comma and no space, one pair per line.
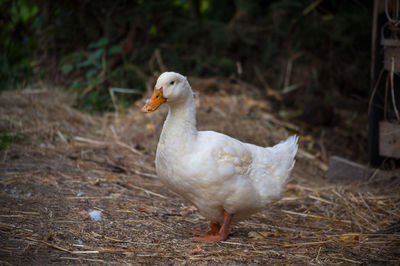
180,125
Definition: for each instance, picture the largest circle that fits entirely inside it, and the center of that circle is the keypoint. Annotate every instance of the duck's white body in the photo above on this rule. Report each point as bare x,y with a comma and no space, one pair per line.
213,171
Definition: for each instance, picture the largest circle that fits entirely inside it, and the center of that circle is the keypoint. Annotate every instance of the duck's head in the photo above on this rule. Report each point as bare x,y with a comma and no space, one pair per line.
172,88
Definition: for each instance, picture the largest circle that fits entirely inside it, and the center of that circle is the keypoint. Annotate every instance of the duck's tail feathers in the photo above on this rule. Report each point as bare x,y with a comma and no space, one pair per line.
281,161
286,151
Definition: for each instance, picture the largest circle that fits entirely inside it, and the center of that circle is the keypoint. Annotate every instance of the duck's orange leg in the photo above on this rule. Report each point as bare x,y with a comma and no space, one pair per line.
214,228
222,233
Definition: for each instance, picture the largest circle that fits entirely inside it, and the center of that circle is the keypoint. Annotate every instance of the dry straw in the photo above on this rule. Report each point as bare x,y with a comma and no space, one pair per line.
70,163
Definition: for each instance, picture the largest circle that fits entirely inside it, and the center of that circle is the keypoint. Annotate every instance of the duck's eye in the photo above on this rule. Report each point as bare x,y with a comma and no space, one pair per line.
172,82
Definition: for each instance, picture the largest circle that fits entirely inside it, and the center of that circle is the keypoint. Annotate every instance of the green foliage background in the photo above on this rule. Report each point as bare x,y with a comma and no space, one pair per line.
77,40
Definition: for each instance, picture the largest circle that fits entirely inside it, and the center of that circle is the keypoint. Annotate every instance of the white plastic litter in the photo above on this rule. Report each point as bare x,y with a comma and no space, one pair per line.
96,215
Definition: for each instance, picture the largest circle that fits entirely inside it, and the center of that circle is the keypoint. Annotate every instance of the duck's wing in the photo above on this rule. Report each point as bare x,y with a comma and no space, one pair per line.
264,171
227,153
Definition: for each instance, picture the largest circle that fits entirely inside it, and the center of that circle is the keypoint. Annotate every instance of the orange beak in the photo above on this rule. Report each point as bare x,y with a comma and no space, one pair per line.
155,101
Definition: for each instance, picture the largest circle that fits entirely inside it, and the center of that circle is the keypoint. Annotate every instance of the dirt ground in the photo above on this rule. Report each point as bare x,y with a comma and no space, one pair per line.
66,164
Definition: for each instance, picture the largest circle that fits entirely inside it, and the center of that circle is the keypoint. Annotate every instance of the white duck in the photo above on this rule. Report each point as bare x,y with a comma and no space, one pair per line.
227,180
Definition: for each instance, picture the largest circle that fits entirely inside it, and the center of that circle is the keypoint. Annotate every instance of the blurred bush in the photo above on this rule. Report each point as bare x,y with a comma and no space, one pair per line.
101,44
19,22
